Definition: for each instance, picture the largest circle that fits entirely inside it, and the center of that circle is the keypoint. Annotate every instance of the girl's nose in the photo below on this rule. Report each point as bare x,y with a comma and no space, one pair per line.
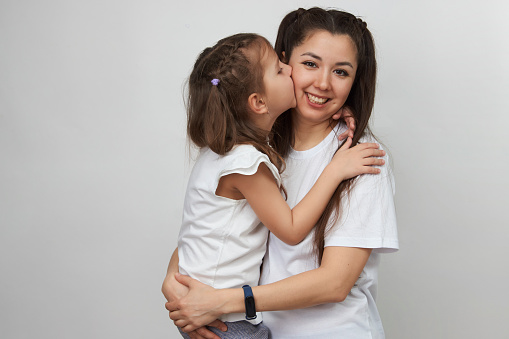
288,69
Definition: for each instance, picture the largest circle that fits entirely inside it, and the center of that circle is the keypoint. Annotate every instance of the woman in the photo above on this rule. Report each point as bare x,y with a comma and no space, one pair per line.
325,286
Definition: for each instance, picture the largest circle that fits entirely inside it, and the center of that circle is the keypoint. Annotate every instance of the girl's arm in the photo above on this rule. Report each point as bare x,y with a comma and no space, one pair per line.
331,282
293,225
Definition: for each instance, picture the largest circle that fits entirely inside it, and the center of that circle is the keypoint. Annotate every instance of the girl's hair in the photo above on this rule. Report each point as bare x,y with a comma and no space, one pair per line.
294,29
222,79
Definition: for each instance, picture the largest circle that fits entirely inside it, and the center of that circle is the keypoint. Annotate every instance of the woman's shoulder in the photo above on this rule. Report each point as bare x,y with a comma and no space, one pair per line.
369,137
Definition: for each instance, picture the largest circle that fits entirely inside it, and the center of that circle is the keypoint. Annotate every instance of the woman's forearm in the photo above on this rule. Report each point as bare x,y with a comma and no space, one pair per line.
331,282
299,291
303,290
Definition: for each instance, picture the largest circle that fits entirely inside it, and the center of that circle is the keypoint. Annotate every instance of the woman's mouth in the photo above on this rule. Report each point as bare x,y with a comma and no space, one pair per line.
316,100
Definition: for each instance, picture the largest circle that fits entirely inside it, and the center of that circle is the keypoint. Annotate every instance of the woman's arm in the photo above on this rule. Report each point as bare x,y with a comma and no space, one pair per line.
293,225
331,282
174,291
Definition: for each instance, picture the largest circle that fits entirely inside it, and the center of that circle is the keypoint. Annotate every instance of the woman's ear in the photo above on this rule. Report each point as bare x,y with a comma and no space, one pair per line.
257,104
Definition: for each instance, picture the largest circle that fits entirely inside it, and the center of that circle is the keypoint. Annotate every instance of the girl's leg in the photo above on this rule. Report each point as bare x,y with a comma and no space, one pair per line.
243,329
184,335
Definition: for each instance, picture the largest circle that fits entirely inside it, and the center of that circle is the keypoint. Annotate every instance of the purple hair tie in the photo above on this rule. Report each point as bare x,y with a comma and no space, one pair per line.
214,82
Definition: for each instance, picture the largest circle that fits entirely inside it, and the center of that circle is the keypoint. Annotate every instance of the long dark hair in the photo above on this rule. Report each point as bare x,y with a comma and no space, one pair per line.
293,31
220,83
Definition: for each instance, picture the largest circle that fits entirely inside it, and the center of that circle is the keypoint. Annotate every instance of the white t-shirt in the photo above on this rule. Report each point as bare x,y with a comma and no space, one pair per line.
221,241
368,220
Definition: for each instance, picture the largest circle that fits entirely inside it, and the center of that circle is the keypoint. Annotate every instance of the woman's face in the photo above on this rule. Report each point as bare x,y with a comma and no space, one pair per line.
323,71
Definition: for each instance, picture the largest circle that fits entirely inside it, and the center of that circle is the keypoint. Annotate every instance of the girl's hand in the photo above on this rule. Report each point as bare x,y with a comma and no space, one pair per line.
360,159
346,114
198,308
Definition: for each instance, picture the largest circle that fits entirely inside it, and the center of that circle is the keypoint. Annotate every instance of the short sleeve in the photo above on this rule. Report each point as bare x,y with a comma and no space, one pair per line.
367,216
245,160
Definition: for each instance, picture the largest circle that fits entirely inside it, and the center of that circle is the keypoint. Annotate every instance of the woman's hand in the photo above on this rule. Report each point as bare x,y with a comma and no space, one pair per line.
360,159
174,291
200,307
346,114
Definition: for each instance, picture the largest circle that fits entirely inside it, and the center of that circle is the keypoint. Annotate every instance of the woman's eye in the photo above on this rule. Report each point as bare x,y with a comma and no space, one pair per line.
309,64
341,72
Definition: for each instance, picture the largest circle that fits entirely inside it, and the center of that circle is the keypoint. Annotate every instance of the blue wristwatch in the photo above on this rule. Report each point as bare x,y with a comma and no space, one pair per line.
250,303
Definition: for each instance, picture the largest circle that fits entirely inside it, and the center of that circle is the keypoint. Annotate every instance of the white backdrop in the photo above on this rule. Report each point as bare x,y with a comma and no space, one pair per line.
94,163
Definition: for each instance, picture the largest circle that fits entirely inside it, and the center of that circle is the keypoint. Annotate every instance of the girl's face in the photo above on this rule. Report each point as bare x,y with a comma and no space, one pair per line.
323,72
277,80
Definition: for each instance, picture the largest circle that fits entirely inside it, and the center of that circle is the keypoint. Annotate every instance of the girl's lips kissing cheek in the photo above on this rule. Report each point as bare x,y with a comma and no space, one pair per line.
316,100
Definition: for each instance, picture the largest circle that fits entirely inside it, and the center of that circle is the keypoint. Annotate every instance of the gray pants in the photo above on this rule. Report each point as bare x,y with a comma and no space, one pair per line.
240,329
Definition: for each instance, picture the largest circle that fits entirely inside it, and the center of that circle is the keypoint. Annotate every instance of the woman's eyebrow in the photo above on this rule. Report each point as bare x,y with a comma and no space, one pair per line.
342,63
313,55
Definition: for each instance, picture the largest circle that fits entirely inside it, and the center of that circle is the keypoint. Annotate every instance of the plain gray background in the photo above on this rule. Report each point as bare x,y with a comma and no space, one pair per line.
94,161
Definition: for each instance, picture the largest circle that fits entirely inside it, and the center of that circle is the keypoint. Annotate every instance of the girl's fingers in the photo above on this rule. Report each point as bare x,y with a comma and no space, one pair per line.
369,170
366,145
372,170
373,162
343,135
370,152
347,144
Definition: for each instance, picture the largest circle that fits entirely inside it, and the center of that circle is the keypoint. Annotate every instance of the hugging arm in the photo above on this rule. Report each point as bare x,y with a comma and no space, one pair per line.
338,272
174,291
292,225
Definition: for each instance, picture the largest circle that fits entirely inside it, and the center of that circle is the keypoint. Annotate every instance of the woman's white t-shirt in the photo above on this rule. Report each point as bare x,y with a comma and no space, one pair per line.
368,220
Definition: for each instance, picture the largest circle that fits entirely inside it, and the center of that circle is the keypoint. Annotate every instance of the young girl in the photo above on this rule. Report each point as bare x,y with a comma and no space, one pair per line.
237,89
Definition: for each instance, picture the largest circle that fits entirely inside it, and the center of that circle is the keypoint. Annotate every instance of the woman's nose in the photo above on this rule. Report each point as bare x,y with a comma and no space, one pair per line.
323,81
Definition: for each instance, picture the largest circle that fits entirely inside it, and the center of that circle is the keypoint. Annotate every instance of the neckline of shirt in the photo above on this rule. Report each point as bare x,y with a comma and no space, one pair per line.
337,130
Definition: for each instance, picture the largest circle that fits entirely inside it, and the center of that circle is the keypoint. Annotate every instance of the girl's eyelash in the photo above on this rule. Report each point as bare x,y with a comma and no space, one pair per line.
280,70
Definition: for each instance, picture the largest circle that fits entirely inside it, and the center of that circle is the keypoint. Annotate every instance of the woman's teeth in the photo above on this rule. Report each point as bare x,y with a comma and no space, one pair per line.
316,100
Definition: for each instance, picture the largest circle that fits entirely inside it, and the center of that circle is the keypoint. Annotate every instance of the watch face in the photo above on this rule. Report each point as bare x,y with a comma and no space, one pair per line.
250,308
250,303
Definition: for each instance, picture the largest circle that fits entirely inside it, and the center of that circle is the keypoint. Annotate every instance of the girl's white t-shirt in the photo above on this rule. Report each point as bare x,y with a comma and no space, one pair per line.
368,220
221,241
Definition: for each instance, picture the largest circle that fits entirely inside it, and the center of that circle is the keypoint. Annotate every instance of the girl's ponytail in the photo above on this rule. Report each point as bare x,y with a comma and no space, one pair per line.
219,121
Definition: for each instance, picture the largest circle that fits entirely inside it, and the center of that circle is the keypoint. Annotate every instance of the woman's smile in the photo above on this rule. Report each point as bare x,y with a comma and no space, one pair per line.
319,101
